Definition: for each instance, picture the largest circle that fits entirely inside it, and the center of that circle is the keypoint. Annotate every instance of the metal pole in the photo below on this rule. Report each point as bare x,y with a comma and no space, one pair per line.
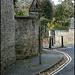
52,41
62,41
39,41
49,41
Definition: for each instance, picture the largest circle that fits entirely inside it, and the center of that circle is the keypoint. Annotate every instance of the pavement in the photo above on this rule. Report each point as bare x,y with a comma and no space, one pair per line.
32,67
54,46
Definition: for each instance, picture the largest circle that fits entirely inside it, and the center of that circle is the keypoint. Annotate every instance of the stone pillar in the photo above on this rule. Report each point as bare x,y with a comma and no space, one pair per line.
7,33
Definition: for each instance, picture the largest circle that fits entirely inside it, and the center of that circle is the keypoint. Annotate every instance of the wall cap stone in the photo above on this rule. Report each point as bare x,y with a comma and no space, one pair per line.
22,17
62,30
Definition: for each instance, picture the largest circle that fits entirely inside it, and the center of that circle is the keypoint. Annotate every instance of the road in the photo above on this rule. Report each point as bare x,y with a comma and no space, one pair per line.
69,69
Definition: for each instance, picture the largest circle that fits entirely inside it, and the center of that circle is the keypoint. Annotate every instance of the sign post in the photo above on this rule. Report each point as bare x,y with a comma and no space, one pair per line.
36,7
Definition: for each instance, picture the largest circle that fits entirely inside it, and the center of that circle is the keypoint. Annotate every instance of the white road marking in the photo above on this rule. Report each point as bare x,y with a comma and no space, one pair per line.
69,59
69,47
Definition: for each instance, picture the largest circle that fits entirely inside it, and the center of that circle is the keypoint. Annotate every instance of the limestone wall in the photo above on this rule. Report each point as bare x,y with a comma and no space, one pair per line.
68,36
7,33
26,38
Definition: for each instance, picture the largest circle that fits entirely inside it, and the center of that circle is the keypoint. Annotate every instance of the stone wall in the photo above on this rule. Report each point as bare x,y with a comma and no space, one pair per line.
26,38
7,33
68,36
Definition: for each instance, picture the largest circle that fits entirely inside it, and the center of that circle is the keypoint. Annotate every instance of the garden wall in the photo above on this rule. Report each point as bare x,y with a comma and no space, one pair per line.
7,34
68,36
26,37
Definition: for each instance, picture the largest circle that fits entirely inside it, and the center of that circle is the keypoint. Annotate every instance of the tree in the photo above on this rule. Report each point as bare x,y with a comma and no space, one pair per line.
14,3
64,12
51,25
44,22
46,15
47,9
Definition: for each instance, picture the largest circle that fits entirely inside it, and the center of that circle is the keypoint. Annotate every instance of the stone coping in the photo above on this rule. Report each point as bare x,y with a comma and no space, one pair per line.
28,17
62,30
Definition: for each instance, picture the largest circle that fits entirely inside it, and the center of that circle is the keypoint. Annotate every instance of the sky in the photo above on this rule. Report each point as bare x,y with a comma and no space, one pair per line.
56,2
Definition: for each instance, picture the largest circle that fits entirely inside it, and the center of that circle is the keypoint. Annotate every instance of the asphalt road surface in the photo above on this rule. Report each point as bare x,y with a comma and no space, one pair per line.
69,69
